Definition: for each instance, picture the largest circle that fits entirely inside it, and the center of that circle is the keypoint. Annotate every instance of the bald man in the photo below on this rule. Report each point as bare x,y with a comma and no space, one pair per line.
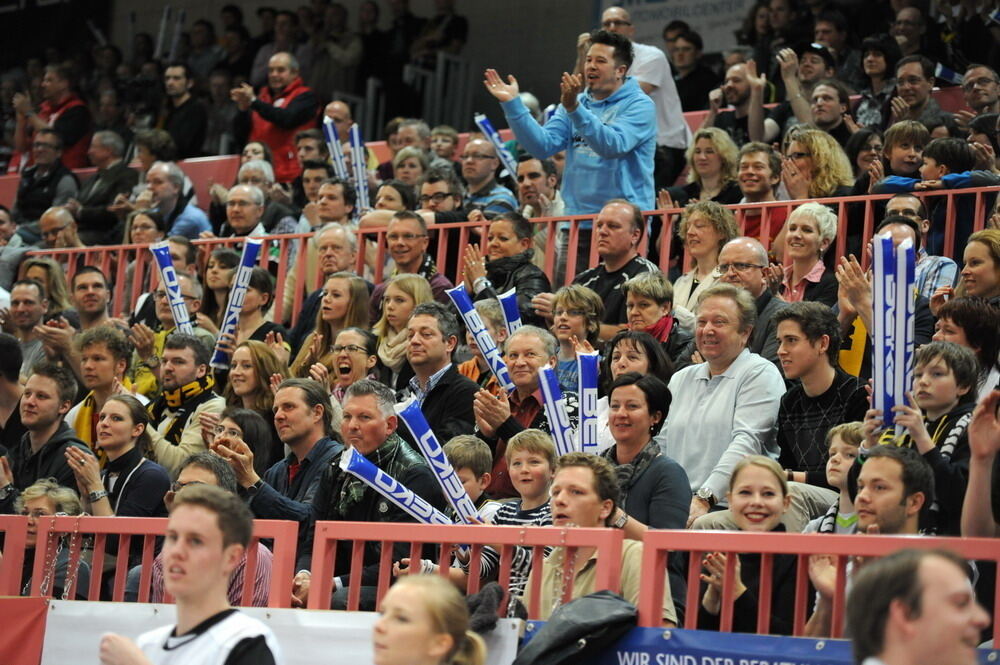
280,110
743,262
58,229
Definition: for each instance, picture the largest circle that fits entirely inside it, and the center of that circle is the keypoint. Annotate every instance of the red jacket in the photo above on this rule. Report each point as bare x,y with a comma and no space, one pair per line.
73,156
279,137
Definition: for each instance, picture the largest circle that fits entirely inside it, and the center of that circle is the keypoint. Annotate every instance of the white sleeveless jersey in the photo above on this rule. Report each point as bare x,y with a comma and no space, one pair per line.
211,646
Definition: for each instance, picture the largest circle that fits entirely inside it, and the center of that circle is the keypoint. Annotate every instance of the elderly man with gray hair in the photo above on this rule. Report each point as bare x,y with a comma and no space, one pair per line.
164,193
735,394
96,224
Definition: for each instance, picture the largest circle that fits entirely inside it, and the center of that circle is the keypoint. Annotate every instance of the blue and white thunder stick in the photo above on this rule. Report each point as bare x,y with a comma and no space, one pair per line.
359,162
904,324
484,341
587,374
884,324
555,411
168,277
486,127
357,465
511,312
415,421
251,249
333,145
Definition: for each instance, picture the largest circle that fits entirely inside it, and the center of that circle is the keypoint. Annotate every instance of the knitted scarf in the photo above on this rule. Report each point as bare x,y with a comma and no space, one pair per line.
182,401
392,350
629,474
352,489
661,329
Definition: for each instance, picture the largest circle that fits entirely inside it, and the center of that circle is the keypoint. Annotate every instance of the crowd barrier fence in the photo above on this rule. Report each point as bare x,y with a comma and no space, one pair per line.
608,543
51,530
450,238
658,544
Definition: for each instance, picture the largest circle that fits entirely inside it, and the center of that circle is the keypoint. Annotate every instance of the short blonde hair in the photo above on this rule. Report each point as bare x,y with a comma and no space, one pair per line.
408,152
723,144
763,462
532,441
826,220
653,285
64,499
850,433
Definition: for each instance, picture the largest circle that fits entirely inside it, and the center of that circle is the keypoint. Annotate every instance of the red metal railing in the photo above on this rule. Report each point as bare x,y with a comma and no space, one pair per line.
451,237
328,534
283,533
15,532
658,544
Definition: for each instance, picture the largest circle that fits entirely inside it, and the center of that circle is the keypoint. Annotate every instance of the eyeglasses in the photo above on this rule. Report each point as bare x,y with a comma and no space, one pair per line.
614,23
799,155
405,237
723,268
236,203
982,82
569,312
177,486
476,156
162,295
350,348
436,198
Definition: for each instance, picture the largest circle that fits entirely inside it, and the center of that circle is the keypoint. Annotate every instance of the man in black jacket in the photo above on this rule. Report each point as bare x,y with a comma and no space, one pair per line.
445,396
96,224
48,395
185,118
45,184
368,427
302,419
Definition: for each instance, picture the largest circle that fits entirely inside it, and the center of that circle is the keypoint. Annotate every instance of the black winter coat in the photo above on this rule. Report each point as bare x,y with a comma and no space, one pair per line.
517,272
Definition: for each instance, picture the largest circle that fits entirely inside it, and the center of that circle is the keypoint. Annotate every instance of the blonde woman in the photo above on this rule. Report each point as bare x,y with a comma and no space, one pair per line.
712,159
705,227
808,234
344,304
815,166
402,294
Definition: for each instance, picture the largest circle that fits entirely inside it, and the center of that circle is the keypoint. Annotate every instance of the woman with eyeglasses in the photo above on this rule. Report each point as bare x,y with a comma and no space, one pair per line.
576,316
240,423
863,149
508,264
47,498
815,166
343,304
130,485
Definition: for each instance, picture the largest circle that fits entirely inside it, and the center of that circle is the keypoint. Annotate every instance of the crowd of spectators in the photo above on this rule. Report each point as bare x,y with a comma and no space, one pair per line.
733,383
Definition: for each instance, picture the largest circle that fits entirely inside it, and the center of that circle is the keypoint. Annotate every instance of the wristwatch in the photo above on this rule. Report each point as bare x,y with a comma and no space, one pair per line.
97,496
253,489
705,494
621,521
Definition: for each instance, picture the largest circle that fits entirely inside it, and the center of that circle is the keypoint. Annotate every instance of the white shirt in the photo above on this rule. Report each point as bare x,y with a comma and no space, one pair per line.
208,647
650,66
715,421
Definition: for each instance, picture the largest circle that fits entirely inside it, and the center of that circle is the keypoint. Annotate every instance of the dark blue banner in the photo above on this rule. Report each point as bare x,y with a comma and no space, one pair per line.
656,646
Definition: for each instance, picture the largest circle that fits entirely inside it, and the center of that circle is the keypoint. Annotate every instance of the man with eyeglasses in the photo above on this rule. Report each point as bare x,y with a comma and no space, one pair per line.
743,262
164,193
208,469
303,420
406,238
981,87
479,164
149,343
58,229
47,183
914,81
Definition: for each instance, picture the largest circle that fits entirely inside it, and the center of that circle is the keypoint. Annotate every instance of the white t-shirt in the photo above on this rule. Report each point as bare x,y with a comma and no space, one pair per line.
650,66
212,642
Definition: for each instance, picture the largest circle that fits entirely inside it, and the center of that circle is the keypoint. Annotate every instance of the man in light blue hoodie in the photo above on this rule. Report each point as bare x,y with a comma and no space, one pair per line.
608,130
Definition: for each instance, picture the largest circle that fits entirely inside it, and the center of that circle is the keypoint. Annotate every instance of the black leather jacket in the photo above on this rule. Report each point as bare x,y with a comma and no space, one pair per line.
517,272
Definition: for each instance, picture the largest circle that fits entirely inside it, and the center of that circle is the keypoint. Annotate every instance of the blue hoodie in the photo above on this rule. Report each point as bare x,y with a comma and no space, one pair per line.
609,146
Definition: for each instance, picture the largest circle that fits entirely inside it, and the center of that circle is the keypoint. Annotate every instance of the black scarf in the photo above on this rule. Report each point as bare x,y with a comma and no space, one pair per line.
183,401
352,489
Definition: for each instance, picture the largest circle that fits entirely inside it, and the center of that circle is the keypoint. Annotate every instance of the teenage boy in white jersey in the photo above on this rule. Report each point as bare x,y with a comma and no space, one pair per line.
208,531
